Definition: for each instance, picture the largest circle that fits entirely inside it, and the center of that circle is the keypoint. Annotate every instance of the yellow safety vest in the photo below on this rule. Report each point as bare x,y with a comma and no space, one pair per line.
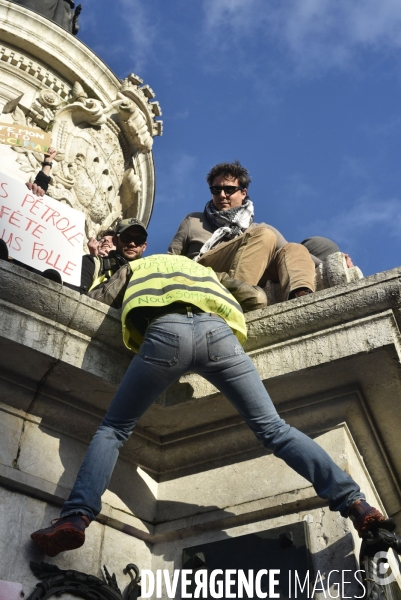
161,279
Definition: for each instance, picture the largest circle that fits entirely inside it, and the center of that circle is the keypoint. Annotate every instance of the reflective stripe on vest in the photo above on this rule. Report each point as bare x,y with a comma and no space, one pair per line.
161,279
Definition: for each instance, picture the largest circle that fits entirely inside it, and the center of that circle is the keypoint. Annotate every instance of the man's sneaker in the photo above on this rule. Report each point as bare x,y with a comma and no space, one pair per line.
67,533
367,518
3,250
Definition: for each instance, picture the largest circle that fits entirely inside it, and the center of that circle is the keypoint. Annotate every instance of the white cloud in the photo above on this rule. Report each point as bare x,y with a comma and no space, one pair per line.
235,14
143,29
181,115
361,221
313,34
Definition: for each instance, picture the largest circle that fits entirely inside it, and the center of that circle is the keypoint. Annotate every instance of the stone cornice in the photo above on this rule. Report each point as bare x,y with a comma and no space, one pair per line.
329,358
49,44
327,308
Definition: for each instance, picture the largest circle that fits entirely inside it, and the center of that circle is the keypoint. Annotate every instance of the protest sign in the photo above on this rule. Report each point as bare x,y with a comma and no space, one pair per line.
25,136
41,232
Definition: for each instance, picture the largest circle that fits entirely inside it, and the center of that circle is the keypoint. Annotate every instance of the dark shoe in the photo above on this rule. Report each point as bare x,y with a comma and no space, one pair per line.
367,518
67,533
3,250
250,297
53,275
304,291
380,540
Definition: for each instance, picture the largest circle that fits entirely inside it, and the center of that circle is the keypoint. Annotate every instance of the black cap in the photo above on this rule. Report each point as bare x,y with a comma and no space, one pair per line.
127,223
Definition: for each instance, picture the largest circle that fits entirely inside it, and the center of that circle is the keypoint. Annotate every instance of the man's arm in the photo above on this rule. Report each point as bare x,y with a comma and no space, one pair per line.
179,243
87,272
42,180
112,291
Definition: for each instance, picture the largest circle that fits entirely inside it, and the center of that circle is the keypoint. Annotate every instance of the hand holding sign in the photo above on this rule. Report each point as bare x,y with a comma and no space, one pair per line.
41,232
50,154
46,168
24,136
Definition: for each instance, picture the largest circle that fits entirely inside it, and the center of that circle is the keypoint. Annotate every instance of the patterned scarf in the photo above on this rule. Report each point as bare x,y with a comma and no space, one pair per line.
229,223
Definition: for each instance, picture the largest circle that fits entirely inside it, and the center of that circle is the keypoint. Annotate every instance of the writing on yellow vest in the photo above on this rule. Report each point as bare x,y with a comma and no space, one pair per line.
162,279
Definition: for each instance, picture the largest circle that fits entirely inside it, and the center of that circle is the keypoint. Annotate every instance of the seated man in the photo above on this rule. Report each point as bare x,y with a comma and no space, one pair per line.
96,262
129,243
203,335
225,238
321,247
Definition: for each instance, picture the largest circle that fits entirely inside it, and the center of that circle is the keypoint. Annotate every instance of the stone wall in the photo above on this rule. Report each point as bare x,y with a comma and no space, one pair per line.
192,472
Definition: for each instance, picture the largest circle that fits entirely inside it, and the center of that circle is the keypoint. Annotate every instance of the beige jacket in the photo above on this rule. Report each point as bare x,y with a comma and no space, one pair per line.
195,230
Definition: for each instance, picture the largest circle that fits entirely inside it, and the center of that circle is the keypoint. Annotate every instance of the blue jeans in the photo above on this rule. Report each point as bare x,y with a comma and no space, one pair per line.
175,344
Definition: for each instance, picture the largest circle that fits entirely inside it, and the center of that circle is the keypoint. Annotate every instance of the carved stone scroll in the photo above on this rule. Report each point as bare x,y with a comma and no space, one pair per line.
95,170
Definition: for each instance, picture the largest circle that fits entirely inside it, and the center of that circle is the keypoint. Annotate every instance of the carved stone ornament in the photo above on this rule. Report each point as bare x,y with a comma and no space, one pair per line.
56,582
97,168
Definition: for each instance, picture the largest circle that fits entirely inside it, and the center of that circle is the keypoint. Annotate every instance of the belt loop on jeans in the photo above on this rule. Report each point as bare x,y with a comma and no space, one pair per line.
180,309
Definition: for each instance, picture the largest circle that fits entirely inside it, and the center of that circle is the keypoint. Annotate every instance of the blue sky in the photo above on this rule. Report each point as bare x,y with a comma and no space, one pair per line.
305,93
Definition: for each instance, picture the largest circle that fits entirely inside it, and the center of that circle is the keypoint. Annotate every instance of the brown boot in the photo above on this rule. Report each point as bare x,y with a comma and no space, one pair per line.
298,293
250,297
67,533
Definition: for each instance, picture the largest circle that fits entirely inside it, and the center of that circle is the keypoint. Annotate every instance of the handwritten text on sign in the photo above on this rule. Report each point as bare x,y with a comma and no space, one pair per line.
28,137
41,232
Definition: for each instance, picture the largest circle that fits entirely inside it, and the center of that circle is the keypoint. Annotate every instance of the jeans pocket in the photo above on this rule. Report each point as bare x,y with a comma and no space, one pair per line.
160,347
222,343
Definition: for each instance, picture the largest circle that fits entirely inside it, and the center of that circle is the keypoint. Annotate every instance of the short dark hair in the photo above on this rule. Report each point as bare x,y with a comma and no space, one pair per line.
106,232
234,170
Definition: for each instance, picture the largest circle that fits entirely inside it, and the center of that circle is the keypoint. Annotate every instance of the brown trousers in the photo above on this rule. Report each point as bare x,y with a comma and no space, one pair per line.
253,258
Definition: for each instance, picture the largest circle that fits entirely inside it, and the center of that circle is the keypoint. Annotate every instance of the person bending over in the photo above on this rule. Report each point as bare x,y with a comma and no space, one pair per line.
203,335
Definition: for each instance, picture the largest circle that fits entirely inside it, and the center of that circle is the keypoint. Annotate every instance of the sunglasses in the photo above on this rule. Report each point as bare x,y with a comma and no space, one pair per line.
126,238
229,190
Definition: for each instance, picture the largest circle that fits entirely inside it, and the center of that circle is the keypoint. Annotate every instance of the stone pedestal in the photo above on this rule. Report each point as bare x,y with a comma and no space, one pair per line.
102,127
192,472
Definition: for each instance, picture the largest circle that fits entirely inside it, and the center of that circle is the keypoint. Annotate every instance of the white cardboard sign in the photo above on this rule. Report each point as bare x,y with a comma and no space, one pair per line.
41,232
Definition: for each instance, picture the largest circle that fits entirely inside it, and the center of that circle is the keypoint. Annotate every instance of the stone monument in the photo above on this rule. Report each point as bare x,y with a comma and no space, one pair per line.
103,128
60,11
192,474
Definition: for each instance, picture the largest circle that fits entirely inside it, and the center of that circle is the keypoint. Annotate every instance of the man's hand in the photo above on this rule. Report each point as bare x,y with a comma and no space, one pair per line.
50,154
93,246
35,188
